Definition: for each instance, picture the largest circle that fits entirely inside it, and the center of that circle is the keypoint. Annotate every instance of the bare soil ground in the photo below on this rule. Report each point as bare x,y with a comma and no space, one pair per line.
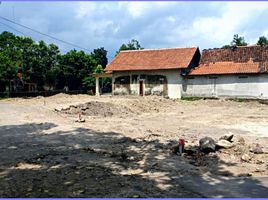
124,147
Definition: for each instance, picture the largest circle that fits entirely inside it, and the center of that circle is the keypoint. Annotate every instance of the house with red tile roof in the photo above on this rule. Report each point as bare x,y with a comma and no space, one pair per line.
234,72
175,72
152,71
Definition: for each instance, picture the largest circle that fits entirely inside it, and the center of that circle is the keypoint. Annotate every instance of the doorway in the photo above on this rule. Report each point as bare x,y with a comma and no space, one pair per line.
141,88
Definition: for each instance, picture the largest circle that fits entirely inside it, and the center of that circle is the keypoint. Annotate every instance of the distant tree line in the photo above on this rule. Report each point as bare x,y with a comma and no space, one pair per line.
240,41
24,61
44,65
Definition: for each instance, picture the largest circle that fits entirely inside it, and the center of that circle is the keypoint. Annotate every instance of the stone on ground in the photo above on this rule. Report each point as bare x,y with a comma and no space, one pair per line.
207,145
227,137
224,144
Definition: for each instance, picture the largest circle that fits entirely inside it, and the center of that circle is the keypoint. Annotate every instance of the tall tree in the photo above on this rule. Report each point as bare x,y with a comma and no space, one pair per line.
100,55
237,41
76,65
263,41
132,45
9,57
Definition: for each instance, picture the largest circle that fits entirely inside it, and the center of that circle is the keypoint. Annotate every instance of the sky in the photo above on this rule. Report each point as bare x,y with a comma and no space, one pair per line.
154,24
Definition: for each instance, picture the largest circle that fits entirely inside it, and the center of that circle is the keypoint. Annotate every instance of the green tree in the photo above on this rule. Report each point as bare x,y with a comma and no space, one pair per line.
43,64
132,45
237,41
52,78
227,46
7,71
263,41
100,55
76,65
98,69
9,58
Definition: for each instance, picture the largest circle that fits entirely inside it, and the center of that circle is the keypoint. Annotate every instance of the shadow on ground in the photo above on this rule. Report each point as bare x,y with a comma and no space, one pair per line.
85,163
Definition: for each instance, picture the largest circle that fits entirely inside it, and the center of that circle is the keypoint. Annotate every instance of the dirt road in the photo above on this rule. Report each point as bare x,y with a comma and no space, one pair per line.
124,147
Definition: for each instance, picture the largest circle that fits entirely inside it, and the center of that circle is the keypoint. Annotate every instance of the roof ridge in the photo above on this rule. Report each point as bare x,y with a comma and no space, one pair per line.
158,49
221,48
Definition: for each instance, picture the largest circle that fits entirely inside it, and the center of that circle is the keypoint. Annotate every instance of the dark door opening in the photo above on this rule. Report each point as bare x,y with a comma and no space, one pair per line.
141,88
105,85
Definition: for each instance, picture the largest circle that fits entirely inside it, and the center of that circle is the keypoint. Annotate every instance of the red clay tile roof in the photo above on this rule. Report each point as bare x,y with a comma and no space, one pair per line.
173,58
241,60
226,68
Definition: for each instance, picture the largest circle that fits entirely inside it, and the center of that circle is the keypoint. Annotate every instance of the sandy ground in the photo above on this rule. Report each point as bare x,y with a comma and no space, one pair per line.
124,147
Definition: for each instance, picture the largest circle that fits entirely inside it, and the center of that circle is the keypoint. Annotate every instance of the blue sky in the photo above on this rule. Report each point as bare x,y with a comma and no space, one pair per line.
154,24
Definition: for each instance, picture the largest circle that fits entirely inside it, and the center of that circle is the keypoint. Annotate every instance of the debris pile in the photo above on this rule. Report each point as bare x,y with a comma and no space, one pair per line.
228,149
94,108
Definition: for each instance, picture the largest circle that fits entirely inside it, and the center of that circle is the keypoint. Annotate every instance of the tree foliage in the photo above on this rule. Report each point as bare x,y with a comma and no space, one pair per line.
100,55
263,41
132,45
237,41
44,65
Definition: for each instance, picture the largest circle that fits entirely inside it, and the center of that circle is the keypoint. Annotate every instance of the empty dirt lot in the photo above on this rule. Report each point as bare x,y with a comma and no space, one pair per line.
123,149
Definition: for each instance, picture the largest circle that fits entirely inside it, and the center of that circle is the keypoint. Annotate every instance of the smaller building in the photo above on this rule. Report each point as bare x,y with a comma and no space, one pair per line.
152,71
238,72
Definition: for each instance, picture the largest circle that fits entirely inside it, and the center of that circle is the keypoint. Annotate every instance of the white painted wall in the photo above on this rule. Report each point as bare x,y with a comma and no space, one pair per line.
254,86
174,80
174,84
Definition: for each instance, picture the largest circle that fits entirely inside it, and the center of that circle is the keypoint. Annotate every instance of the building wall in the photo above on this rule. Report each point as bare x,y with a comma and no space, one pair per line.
244,86
158,82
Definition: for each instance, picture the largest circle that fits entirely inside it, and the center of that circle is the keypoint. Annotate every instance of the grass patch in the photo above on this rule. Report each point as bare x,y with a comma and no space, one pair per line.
191,98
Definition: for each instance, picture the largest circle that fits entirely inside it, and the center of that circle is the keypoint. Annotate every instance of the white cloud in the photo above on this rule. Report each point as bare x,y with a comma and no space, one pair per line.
154,24
139,9
218,30
86,9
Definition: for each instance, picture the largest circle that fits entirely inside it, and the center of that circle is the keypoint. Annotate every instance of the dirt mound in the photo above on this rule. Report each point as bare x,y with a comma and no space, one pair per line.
95,108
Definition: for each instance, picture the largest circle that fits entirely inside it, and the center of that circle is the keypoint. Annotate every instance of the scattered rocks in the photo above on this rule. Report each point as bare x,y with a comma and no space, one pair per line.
207,145
241,140
245,175
246,157
259,170
259,162
257,149
227,137
80,120
224,144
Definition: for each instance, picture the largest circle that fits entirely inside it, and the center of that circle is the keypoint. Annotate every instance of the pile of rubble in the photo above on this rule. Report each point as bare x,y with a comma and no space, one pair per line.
229,150
95,108
207,145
